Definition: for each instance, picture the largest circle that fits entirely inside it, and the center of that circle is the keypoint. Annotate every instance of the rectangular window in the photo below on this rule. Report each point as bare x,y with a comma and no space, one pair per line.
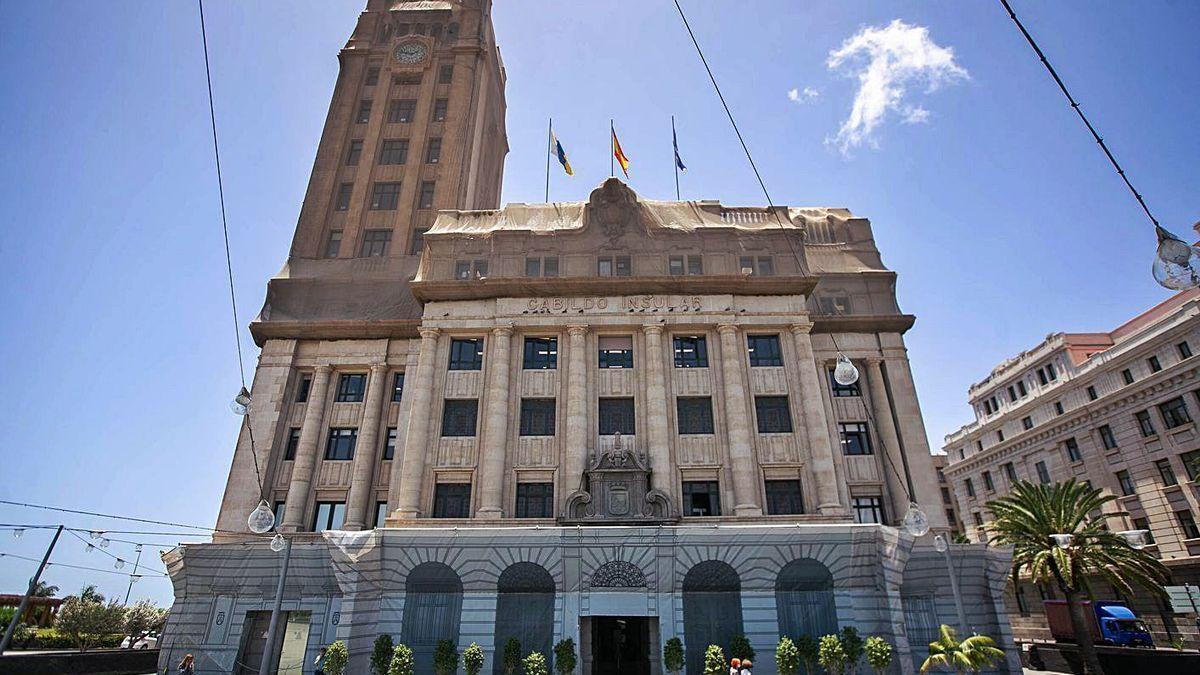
613,266
1107,438
1012,394
446,74
459,416
701,498
345,192
843,390
1041,373
1072,448
407,79
695,414
1058,408
541,267
1127,376
293,442
340,446
1042,472
784,498
855,439
678,265
1185,350
470,269
1050,372
616,351
762,265
397,387
535,500
1191,464
466,354
999,435
1154,364
616,416
1021,388
946,497
401,111
439,109
372,76
764,350
1166,472
1010,472
381,513
433,151
329,516
279,508
1145,424
385,196
302,388
351,387
774,415
1144,524
691,351
970,485
364,112
868,510
375,243
1022,601
425,201
452,500
1174,413
333,245
1091,393
537,417
1027,423
1125,483
389,448
354,153
988,484
1188,524
541,353
392,152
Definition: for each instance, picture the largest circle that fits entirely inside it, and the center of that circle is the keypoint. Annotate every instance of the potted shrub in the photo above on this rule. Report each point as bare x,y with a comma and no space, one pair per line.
336,658
787,658
806,646
512,656
445,658
714,661
852,645
473,659
673,659
831,655
535,664
381,655
402,661
739,648
879,654
564,656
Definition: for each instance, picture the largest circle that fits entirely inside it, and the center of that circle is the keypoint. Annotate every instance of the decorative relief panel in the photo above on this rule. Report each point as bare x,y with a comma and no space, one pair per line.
862,469
629,443
849,408
463,383
697,450
334,474
691,381
539,383
345,415
536,451
454,451
768,380
776,448
383,475
618,574
285,474
297,414
615,382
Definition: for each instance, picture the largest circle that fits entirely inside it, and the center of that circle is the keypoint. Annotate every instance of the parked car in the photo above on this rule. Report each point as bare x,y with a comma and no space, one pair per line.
1112,623
147,640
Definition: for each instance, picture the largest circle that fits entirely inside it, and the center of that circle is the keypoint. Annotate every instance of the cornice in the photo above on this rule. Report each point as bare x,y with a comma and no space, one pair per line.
490,288
875,323
332,330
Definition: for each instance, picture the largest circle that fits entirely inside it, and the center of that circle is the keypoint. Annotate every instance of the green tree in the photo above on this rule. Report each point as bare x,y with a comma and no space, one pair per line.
336,658
473,659
512,656
739,648
852,645
673,658
87,621
143,616
381,654
831,655
564,656
535,664
445,658
807,647
402,661
714,661
879,654
787,658
90,594
22,633
45,590
1029,517
970,655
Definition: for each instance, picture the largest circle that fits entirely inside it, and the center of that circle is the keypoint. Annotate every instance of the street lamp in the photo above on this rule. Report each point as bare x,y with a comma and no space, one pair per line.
844,373
1135,538
261,519
240,404
1177,265
942,546
915,521
1062,540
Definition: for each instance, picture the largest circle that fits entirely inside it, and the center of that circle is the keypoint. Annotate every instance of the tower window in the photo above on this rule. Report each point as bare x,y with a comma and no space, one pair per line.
354,152
446,74
452,500
340,445
541,353
1185,350
333,245
855,439
389,448
1091,393
401,111
616,416
439,109
535,500
701,498
695,414
784,497
459,417
840,390
293,442
1166,472
616,351
329,516
1042,472
1154,364
393,152
466,354
537,417
351,387
1107,437
375,243
774,416
613,266
345,191
364,112
433,152
1127,376
1126,483
425,201
385,197
397,387
678,265
1175,413
470,269
868,510
691,351
761,265
372,76
1145,424
764,350
546,266
302,388
1072,447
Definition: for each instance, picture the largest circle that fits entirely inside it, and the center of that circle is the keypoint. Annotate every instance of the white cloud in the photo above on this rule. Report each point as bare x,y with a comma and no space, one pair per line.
802,96
887,60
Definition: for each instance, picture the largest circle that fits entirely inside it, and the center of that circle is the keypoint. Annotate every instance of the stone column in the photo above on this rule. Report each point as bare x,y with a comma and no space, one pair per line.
737,424
816,425
893,463
416,442
306,452
365,456
575,450
656,412
495,427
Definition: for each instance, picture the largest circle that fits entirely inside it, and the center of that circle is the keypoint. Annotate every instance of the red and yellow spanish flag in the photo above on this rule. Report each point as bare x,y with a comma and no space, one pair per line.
619,154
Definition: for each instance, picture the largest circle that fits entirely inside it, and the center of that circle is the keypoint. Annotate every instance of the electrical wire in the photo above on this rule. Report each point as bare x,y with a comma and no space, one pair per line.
81,567
116,517
14,527
111,555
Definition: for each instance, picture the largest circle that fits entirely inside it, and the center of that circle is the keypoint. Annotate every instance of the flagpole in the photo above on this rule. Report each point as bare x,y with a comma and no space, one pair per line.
612,149
549,140
675,157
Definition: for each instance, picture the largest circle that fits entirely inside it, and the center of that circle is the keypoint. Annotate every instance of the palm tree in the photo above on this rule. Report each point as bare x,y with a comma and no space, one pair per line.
44,590
971,655
1031,518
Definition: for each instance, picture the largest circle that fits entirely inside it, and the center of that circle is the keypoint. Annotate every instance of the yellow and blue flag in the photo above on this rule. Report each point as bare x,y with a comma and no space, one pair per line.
556,149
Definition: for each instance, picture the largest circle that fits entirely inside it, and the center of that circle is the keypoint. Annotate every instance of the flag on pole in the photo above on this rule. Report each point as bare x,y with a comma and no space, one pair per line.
620,154
556,149
675,141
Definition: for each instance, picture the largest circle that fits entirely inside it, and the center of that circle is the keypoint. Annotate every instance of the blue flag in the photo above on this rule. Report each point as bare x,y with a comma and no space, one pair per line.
675,142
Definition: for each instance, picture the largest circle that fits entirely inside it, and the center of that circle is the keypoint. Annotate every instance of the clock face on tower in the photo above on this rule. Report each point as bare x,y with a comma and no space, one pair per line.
410,53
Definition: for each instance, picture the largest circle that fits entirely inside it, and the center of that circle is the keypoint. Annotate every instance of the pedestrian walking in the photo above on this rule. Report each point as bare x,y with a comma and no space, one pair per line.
319,662
735,666
746,666
187,665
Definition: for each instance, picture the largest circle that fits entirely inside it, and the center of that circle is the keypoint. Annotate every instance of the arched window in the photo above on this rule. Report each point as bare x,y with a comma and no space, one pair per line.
432,611
524,610
804,599
712,609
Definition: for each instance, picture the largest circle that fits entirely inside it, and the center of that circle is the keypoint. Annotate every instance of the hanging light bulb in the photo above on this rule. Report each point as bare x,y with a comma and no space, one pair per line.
1177,265
18,532
844,372
277,543
134,577
104,543
119,564
261,519
1062,540
939,544
1135,538
89,549
95,534
916,522
240,404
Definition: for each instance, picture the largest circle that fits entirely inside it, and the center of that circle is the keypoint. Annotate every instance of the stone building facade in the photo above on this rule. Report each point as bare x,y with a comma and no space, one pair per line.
612,421
1115,409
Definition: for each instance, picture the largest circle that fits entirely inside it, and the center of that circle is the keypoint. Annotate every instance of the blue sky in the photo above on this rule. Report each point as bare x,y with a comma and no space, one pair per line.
998,211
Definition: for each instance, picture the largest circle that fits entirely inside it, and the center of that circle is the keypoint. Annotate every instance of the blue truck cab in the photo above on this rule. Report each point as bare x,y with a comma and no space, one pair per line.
1119,626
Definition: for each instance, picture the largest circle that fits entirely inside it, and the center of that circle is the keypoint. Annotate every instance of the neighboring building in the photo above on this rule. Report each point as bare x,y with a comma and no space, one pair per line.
1114,409
611,420
946,494
40,612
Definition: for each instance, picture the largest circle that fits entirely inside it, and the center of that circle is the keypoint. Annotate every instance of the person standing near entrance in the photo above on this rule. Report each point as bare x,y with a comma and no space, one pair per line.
735,666
746,665
319,662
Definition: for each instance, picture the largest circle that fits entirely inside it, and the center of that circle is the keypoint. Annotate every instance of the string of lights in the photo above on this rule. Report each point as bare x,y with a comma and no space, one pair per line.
120,562
98,514
19,529
17,556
